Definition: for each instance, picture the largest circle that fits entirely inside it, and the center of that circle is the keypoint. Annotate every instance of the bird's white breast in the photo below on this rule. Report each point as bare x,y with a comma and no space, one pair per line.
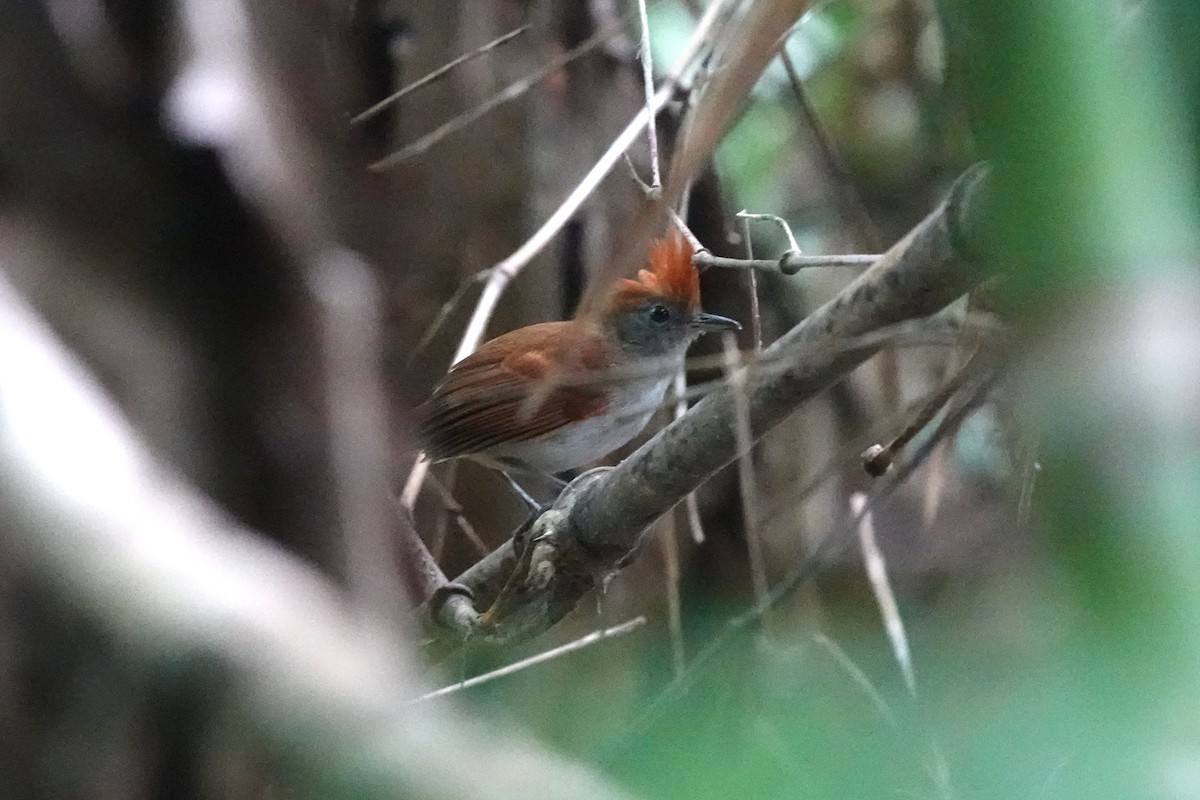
630,406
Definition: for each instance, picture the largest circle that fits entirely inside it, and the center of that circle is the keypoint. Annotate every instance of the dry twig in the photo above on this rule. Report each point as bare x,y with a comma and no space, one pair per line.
877,459
735,377
437,74
885,598
509,94
553,653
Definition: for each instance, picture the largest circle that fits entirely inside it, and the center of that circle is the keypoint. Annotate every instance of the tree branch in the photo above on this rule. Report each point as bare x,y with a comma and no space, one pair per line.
596,526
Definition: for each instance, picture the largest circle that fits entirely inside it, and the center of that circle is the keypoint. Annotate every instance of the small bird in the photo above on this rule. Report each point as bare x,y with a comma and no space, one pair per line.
560,395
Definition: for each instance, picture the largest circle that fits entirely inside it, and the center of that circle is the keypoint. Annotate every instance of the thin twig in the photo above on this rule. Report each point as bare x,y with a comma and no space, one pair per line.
569,647
416,479
877,459
885,598
736,378
691,502
506,270
446,310
676,219
684,229
648,80
756,329
420,567
670,552
691,505
860,679
452,506
935,482
957,411
938,769
444,514
935,485
832,467
835,167
650,193
507,95
440,72
851,201
747,34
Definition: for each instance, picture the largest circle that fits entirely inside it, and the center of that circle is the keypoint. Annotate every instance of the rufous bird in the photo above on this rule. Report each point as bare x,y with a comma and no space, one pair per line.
559,395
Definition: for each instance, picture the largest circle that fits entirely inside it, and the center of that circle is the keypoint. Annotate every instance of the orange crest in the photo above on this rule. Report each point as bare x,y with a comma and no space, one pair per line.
671,275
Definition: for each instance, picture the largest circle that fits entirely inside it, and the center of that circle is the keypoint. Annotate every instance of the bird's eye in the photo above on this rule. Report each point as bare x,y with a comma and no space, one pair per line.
659,313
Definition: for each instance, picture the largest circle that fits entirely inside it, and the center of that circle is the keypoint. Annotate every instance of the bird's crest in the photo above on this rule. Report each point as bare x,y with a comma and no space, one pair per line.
671,275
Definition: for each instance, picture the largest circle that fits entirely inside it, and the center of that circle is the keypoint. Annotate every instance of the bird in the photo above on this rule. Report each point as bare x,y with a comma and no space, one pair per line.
555,396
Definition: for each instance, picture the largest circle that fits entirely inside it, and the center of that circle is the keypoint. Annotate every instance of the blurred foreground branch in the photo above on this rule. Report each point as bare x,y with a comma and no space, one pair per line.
90,515
596,525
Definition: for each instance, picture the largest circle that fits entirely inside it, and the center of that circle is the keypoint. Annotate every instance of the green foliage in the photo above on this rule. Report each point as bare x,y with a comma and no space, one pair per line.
752,151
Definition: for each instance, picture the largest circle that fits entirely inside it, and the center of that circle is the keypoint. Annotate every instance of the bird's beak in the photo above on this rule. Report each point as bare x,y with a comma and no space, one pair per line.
707,323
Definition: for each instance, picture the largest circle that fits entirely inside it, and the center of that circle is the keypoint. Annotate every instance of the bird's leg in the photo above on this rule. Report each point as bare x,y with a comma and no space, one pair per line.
521,466
534,506
523,547
523,542
508,465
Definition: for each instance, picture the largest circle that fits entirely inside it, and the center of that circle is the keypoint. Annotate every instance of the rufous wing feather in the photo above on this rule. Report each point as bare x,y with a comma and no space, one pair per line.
485,400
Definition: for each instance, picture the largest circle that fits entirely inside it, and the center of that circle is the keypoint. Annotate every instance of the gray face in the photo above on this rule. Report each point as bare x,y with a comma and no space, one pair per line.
656,328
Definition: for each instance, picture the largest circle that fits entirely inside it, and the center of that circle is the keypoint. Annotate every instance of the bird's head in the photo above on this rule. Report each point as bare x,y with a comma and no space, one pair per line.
659,313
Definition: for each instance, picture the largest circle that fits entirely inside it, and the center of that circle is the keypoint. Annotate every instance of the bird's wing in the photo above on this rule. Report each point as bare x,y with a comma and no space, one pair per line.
486,400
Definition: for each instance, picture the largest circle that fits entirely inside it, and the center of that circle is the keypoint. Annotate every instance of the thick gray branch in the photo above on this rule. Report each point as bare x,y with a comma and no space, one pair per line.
597,524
